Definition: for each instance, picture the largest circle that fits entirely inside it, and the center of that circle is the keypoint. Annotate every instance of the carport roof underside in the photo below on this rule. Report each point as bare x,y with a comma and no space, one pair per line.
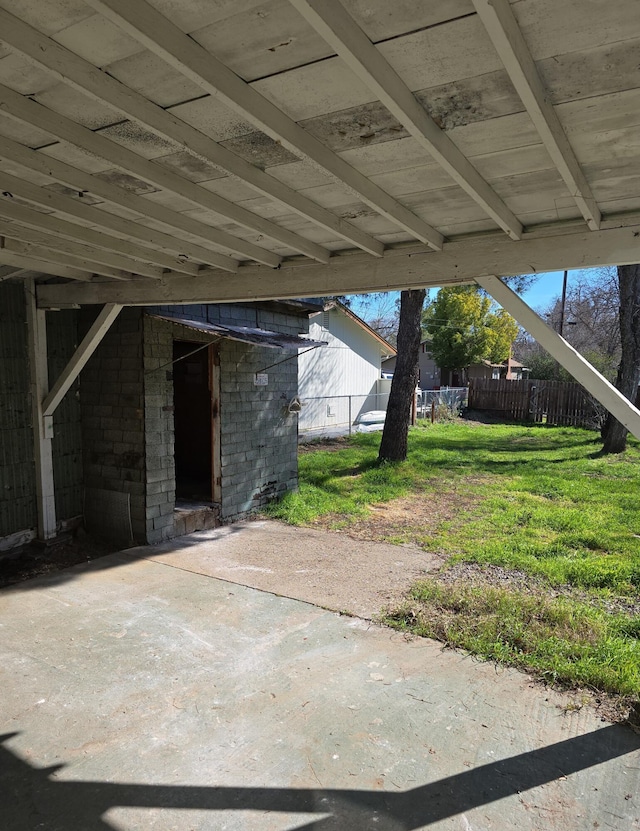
193,151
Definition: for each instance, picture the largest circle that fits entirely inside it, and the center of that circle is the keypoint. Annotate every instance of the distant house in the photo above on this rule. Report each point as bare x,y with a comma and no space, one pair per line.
430,373
509,370
433,377
340,381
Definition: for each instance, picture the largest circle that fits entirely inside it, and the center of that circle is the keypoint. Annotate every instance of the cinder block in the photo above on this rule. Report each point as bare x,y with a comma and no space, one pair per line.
165,521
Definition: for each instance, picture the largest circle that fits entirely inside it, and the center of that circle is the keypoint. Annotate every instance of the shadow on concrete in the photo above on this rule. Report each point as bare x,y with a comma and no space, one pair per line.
33,800
121,558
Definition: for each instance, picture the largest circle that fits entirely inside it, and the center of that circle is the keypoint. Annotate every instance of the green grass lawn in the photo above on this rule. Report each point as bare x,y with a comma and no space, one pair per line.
535,501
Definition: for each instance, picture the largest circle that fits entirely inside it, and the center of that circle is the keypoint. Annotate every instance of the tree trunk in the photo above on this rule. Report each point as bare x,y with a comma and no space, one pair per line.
393,447
614,433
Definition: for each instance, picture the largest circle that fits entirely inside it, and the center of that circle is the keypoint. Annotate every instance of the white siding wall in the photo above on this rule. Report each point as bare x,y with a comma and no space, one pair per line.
348,366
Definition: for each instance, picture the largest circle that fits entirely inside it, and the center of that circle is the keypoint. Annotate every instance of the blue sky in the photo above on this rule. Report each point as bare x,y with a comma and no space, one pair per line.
546,287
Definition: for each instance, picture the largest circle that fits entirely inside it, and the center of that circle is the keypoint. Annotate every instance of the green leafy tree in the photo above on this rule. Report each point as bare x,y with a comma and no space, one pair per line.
464,329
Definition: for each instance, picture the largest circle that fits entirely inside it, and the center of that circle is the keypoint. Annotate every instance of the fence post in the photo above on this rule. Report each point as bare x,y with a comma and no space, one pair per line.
414,409
349,415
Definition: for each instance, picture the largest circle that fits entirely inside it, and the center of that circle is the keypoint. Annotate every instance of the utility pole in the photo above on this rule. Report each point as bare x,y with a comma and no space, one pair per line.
564,300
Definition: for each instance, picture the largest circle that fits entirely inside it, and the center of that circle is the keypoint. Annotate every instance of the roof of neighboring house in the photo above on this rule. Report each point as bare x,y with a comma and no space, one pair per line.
511,362
389,350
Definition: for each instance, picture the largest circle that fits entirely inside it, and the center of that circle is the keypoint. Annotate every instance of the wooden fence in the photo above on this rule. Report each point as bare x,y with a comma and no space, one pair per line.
553,402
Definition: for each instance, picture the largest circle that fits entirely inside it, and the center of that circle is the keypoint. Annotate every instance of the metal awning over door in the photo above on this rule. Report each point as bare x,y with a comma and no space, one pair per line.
244,334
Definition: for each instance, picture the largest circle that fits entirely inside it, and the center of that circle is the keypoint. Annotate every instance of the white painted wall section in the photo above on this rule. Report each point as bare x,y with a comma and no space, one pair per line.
348,366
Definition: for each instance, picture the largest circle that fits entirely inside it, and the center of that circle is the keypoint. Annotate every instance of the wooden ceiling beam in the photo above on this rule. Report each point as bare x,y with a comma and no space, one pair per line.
160,36
24,109
60,247
333,23
406,267
55,258
43,266
64,229
502,27
116,224
84,76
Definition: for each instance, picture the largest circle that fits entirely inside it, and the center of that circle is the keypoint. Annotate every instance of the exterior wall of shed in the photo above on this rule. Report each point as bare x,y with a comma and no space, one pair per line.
348,366
114,428
112,408
18,509
259,450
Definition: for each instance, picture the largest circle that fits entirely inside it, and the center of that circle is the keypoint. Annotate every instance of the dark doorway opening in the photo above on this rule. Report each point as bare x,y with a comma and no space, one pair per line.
193,403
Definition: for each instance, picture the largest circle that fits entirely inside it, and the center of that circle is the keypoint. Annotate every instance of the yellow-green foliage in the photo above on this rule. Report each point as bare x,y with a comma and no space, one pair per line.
464,329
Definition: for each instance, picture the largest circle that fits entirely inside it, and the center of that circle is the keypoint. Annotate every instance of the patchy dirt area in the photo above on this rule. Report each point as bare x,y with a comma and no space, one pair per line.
329,445
411,519
35,560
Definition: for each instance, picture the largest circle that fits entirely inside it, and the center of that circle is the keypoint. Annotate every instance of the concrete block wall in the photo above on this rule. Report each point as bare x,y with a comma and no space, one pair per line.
158,425
17,473
112,408
62,340
259,437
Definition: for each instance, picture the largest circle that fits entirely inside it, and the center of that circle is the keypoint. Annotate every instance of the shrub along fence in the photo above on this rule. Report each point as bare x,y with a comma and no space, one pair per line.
552,402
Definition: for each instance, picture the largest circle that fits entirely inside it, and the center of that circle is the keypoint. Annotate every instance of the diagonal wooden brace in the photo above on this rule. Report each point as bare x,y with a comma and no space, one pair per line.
565,354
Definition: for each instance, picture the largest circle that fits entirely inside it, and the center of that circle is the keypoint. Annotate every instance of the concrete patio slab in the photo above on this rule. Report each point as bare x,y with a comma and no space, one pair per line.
326,568
139,695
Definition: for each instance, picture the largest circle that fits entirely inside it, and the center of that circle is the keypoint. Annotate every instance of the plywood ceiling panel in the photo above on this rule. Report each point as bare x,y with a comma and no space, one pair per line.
337,166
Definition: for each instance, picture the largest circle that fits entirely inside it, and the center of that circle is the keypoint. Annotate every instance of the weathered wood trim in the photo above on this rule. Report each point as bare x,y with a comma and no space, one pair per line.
402,268
42,429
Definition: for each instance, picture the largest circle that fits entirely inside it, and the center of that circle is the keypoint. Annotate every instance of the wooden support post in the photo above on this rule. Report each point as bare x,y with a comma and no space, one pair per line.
571,360
42,427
